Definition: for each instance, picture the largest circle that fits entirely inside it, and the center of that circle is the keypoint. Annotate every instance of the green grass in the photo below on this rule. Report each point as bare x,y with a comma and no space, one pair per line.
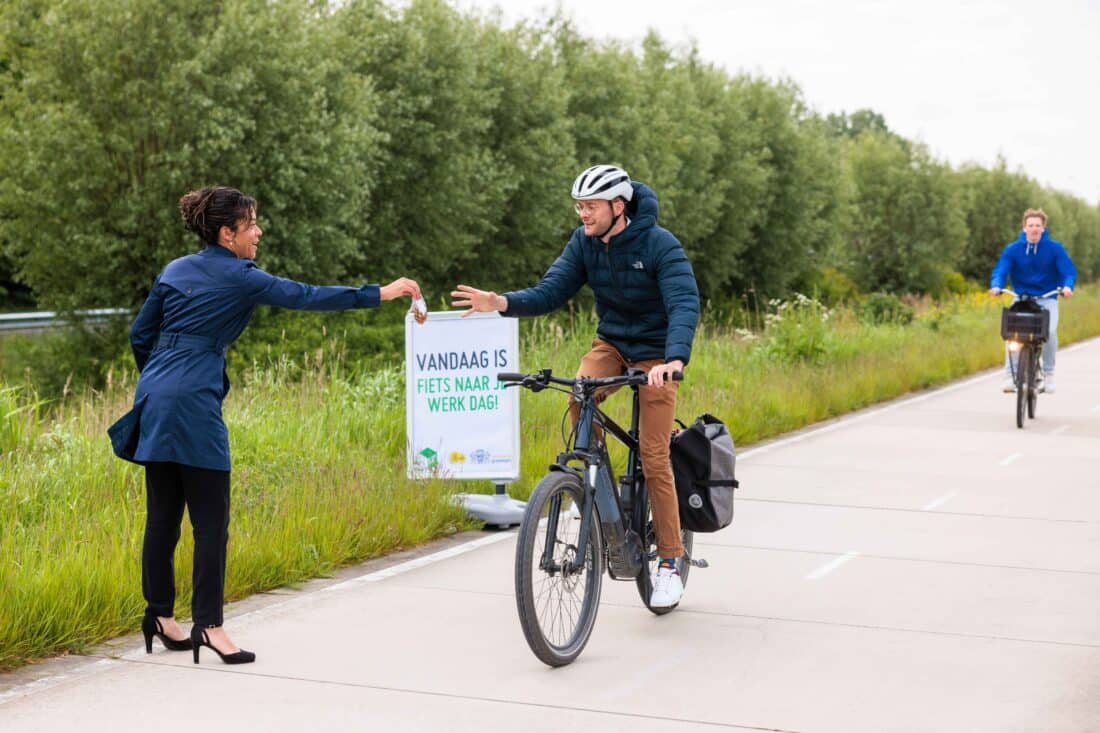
319,468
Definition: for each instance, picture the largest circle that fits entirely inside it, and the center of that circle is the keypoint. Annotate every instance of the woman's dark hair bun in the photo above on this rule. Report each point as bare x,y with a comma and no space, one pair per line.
207,210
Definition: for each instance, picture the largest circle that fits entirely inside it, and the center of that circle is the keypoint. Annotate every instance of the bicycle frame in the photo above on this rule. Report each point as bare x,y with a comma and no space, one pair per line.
624,546
625,554
560,565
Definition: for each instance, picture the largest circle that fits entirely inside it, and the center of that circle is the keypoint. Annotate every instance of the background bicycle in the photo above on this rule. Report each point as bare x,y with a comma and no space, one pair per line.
1025,326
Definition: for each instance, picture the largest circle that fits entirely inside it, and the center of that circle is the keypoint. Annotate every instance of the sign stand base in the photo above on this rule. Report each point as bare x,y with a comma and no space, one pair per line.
497,509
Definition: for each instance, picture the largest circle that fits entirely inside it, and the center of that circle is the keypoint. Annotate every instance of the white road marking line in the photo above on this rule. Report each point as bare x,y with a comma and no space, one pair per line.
414,563
832,565
1011,458
938,502
1059,430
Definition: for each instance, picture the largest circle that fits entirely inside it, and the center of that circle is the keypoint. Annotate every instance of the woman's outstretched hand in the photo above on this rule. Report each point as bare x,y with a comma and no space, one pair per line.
480,301
399,287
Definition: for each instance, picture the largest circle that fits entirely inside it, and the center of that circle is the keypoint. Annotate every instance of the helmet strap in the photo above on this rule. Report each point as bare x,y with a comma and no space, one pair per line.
614,220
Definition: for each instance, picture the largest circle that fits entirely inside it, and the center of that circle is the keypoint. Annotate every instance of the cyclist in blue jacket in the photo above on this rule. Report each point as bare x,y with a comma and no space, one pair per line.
1036,265
647,302
198,306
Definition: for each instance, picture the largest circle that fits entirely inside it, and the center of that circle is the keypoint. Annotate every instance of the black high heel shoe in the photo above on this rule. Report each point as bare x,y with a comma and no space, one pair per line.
199,639
150,627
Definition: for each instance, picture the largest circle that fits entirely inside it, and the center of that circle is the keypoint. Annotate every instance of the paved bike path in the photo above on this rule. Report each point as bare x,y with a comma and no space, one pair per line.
920,566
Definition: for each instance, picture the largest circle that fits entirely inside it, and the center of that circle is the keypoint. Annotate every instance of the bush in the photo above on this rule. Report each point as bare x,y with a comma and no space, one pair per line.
955,283
796,330
878,308
65,359
829,285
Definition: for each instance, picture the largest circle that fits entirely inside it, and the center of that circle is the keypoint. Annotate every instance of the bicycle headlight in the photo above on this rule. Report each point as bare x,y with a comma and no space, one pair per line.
1014,345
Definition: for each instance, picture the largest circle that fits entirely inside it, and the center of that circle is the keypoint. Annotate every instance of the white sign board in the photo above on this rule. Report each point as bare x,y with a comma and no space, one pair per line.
460,422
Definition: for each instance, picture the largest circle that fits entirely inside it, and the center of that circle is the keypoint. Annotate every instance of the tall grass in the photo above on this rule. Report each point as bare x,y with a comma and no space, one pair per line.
319,462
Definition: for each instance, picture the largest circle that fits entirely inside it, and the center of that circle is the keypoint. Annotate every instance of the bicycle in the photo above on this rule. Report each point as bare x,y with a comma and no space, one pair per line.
1025,325
580,519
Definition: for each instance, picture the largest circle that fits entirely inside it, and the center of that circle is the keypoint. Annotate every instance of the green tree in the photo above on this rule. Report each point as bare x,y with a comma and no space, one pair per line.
530,139
804,198
124,105
1073,222
907,228
439,181
993,201
853,125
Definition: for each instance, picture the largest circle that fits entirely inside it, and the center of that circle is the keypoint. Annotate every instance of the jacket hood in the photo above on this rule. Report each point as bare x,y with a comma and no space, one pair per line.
642,211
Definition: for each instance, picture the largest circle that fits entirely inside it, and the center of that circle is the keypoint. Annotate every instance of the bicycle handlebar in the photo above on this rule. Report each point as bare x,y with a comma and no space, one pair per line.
544,378
1055,292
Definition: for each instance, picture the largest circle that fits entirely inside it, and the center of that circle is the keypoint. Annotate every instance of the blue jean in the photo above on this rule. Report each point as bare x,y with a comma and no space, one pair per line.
1050,348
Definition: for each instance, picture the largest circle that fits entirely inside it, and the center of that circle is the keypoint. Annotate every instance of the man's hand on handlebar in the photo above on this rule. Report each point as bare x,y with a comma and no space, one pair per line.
1067,292
994,291
661,373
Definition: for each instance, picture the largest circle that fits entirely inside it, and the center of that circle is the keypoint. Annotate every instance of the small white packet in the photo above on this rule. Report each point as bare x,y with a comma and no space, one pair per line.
419,310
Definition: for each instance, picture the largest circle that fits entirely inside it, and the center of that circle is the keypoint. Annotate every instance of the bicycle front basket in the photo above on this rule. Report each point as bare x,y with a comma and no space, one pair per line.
1025,326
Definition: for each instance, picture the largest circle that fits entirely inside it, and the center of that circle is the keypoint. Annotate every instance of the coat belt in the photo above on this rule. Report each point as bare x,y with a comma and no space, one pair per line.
174,340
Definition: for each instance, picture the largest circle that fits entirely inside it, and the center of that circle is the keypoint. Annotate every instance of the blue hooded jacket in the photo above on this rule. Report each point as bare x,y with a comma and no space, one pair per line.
198,306
1034,269
646,296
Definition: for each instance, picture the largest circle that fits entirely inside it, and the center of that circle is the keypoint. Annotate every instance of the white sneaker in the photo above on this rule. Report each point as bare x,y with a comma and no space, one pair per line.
667,588
1009,385
1048,384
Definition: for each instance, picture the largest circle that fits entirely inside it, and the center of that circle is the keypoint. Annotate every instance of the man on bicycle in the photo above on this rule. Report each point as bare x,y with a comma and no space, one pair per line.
1036,264
647,302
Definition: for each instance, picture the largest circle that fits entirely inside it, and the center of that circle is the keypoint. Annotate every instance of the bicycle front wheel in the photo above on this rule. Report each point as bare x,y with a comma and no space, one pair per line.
1033,384
642,523
557,605
1023,379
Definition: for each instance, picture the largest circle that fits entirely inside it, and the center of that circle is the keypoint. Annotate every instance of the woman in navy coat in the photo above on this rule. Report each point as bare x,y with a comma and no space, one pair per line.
198,306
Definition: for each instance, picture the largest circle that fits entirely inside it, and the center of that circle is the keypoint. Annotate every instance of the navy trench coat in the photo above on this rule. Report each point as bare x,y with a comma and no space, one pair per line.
198,306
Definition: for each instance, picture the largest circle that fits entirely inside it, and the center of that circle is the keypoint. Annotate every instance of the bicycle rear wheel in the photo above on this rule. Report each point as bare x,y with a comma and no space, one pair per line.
642,523
1023,366
557,606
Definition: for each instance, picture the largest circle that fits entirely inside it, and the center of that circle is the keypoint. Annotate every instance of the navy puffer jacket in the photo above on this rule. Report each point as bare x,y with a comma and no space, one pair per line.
646,296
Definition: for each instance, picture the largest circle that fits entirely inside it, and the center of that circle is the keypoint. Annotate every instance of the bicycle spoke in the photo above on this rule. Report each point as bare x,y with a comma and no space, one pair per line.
559,596
557,602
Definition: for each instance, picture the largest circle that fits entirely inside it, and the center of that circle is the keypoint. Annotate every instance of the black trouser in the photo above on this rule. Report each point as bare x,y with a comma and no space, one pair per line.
168,486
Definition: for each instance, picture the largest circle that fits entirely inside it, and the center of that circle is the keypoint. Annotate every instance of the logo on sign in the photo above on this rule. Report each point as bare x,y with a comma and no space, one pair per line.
430,457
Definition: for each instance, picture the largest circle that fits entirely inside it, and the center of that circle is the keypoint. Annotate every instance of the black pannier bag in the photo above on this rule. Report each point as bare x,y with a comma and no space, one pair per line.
703,460
1025,322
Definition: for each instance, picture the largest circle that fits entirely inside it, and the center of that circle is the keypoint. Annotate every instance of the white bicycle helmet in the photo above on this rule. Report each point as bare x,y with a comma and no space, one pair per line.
605,182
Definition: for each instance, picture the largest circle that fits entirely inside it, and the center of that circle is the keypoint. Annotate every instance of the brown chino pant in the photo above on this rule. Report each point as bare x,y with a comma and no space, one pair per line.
657,410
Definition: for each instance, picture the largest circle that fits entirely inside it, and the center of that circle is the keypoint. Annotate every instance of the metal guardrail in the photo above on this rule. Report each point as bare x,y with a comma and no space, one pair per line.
42,320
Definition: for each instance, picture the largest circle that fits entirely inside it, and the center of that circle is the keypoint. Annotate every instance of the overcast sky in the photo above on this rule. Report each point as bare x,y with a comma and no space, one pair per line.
971,78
